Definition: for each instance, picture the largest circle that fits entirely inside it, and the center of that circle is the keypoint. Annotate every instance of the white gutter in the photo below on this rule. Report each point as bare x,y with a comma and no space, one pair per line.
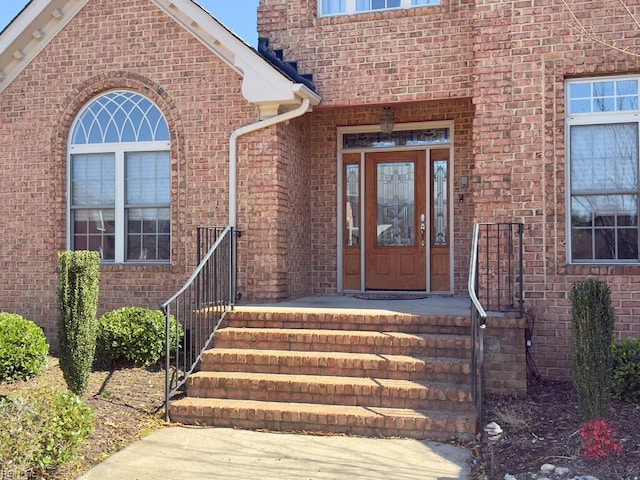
233,150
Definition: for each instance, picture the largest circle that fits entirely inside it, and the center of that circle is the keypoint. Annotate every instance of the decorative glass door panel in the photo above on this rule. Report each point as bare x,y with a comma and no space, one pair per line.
440,259
396,204
395,252
352,228
440,203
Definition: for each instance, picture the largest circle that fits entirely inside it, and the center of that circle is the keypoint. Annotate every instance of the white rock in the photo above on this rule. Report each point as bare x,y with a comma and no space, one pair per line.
547,468
509,477
561,471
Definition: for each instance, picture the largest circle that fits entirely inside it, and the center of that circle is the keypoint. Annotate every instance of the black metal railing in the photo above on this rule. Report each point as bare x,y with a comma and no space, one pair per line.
478,324
499,267
200,305
495,284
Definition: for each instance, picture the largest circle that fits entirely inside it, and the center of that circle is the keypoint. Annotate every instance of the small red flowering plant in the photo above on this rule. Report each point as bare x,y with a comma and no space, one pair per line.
599,439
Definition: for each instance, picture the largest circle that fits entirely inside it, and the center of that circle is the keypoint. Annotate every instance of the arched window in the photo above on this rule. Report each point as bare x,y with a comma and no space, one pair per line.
120,179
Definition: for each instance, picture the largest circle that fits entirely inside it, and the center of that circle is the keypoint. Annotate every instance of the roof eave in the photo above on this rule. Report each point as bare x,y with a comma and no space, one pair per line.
262,84
30,32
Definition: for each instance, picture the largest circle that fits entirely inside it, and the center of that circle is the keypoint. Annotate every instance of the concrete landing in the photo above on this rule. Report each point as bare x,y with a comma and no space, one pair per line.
190,453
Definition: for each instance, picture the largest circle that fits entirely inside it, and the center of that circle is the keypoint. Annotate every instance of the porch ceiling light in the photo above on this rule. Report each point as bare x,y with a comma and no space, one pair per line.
386,120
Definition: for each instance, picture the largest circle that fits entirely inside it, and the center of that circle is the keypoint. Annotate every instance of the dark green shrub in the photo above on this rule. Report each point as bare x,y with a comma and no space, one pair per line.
134,334
593,322
41,430
78,275
23,348
626,370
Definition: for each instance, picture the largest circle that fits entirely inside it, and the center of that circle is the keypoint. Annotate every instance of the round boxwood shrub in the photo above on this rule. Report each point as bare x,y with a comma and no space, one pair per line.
42,429
23,348
134,334
626,370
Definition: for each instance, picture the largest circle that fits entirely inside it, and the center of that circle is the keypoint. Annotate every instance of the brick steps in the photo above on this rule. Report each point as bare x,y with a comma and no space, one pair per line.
333,390
353,420
356,320
352,372
398,343
398,367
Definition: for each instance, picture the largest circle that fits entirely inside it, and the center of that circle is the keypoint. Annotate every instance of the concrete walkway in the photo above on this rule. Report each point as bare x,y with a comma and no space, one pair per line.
188,453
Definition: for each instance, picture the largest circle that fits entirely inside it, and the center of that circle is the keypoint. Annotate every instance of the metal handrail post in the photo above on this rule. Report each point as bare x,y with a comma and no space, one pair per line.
199,309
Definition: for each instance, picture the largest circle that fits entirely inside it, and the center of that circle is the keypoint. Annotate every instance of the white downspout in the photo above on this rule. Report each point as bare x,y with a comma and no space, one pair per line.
233,151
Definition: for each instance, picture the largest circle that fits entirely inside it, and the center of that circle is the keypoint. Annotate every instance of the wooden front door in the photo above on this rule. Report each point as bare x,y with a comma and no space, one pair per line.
396,221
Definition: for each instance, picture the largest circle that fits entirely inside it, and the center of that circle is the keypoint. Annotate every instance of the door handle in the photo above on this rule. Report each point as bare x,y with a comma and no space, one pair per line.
423,228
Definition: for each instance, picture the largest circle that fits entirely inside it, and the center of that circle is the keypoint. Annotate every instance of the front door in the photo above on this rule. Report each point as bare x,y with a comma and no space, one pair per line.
395,221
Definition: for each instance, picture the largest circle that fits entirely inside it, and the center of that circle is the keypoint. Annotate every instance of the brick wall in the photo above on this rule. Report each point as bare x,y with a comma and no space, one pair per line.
324,123
512,59
131,45
505,362
273,213
523,53
415,54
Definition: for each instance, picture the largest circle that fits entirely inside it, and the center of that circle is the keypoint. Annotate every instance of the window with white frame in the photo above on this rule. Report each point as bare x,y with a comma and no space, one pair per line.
119,180
342,7
603,146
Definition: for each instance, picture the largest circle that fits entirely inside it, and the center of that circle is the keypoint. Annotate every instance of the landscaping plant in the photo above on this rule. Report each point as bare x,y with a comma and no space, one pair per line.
136,335
78,276
593,322
23,348
626,370
599,439
41,430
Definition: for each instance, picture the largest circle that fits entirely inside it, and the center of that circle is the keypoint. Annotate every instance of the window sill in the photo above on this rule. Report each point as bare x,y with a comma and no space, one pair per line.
602,269
135,267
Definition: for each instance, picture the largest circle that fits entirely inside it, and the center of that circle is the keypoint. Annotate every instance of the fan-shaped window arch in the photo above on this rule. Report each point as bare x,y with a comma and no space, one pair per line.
120,116
120,179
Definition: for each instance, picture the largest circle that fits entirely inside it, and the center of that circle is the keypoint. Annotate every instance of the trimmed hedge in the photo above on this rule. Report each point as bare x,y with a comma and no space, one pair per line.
593,323
23,348
626,370
41,430
134,334
78,277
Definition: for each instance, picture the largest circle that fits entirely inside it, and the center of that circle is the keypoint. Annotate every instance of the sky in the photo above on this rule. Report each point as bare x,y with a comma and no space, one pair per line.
238,15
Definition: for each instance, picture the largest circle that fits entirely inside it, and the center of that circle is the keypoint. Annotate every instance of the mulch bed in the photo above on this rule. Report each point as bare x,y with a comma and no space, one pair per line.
544,428
128,403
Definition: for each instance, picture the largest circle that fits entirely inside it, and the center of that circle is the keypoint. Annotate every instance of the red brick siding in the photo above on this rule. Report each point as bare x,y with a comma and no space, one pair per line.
372,57
512,58
523,54
133,45
274,204
324,179
295,156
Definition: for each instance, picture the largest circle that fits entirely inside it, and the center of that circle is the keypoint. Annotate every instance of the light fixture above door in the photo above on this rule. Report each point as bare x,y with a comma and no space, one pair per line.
386,120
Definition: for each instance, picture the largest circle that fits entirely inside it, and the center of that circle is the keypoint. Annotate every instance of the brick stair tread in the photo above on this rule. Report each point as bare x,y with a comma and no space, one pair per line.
333,363
279,379
323,354
321,339
348,320
357,420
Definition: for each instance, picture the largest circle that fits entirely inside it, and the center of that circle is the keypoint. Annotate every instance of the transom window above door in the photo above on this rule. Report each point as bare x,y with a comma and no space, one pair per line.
346,7
119,180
